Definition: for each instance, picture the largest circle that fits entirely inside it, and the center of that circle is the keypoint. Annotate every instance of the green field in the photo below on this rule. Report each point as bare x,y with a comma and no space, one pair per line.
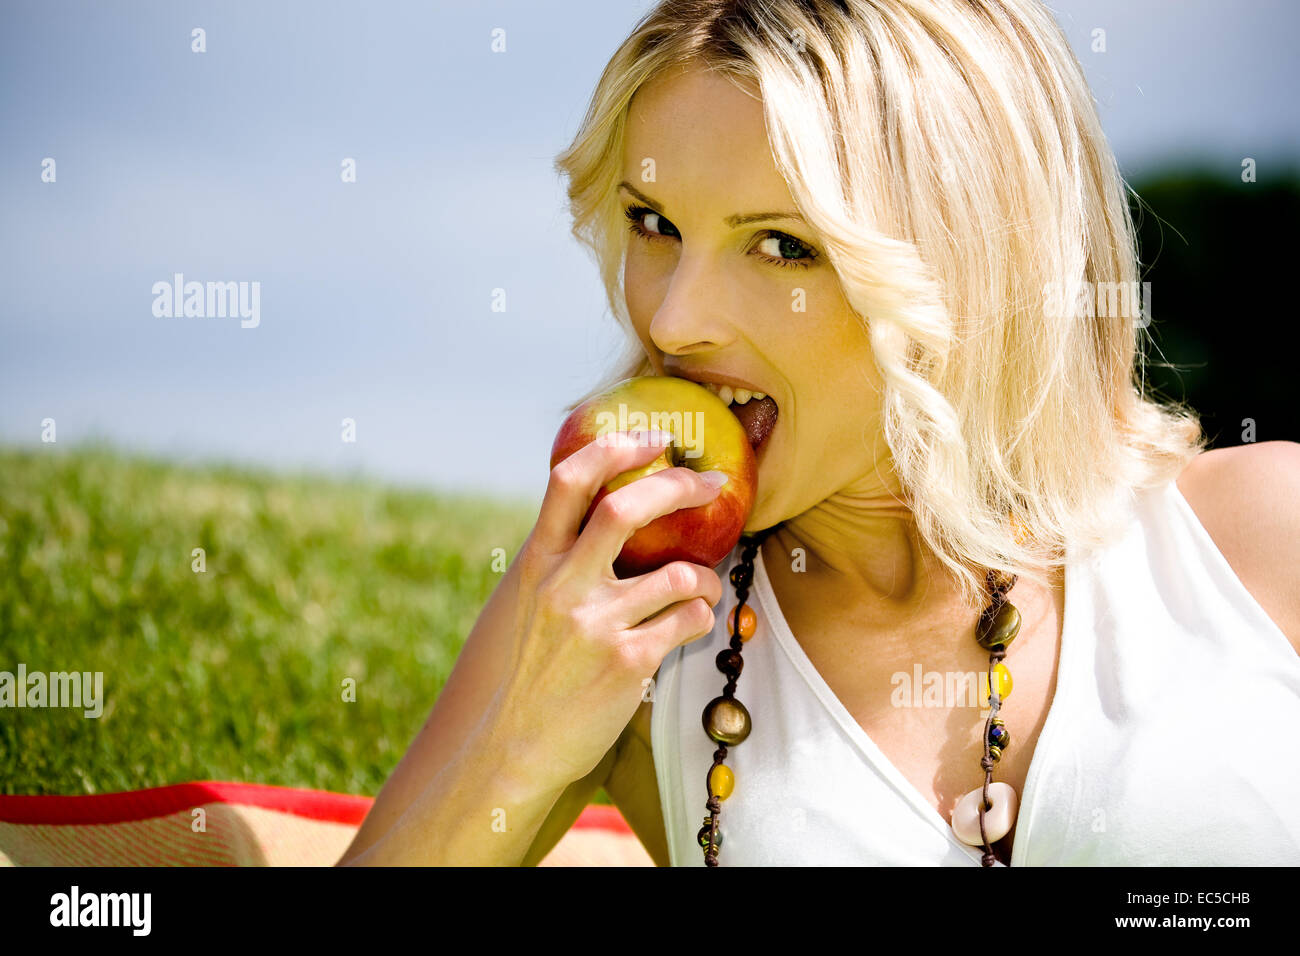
237,672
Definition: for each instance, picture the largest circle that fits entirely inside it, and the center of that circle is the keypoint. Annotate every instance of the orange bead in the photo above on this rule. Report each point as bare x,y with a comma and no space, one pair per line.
748,622
721,781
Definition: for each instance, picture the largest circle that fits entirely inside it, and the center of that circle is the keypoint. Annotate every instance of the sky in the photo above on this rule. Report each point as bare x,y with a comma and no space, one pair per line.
376,297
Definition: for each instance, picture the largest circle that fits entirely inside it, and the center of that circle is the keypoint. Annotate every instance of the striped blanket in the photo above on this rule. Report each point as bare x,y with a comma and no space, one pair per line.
211,823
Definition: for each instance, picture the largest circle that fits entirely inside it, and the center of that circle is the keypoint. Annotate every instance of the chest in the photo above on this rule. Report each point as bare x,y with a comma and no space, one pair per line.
921,695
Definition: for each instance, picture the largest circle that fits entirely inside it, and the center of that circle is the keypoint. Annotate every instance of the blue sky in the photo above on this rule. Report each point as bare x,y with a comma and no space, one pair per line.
376,295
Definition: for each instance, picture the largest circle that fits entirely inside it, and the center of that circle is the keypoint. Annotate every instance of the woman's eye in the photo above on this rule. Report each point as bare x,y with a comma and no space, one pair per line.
648,223
659,225
786,250
775,247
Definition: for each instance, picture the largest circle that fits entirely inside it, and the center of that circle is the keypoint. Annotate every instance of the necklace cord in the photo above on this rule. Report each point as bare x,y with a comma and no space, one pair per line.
727,722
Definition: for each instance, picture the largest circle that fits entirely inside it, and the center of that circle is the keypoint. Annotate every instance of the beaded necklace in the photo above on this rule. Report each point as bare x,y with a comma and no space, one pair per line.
982,817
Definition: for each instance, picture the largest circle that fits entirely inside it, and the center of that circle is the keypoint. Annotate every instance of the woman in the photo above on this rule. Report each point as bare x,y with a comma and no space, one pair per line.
897,220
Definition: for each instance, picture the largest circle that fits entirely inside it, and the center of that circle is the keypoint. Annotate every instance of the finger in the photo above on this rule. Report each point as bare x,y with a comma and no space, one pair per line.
647,594
575,480
679,624
621,513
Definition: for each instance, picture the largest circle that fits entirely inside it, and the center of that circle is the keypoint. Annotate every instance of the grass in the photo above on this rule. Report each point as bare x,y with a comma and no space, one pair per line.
237,672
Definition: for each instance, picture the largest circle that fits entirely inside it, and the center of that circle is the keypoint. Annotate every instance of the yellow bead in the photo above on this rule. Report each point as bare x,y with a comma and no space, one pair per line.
1003,678
721,781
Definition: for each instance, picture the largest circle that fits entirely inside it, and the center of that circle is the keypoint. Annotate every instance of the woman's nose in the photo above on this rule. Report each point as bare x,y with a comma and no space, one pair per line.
691,317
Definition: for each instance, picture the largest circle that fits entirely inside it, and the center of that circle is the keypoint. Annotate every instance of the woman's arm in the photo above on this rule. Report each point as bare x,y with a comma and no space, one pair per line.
549,677
476,811
454,777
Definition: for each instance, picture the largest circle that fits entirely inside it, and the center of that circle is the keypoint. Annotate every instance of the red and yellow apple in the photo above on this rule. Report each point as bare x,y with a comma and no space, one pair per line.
706,436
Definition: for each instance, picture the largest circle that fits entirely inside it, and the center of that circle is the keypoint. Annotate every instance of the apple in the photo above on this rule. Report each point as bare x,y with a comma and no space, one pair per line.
706,435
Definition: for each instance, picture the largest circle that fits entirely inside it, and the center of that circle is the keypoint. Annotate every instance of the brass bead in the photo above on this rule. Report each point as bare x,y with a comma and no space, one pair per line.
726,720
703,837
999,736
1000,629
995,752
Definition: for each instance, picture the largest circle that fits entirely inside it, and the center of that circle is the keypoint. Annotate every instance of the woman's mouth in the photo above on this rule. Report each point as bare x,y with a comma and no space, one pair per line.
756,411
758,417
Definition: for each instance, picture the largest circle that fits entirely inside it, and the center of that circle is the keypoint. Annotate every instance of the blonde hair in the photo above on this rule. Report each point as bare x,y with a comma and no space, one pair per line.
950,157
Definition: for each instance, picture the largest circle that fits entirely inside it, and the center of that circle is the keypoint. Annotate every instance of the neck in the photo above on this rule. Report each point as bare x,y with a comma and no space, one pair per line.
860,545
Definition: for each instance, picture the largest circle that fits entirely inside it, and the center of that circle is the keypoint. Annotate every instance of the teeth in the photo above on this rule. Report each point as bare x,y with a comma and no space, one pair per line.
728,394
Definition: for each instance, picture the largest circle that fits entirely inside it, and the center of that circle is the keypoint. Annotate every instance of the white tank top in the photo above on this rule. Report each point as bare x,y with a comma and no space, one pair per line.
1171,738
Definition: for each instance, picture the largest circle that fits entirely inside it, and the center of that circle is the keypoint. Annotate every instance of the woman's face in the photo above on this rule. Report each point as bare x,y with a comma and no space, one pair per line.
755,300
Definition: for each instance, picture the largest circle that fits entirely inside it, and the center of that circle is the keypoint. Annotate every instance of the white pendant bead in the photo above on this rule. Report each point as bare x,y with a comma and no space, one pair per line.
998,819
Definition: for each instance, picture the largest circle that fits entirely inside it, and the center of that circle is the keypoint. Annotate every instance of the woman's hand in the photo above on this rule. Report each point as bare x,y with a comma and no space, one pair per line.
585,642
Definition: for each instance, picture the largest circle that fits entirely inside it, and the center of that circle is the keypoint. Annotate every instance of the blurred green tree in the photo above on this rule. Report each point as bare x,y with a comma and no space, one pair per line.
1219,254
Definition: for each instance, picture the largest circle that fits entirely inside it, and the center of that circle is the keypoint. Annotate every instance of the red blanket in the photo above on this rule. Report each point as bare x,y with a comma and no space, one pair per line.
211,823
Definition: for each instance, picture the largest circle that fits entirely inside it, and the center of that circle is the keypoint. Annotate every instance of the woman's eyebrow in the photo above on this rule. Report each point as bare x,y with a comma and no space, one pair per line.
732,221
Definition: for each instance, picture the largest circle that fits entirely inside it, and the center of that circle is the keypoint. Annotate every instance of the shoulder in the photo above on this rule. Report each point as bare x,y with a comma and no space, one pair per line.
1248,499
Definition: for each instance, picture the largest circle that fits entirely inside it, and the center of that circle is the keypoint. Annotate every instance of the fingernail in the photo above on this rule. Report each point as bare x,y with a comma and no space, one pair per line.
714,478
